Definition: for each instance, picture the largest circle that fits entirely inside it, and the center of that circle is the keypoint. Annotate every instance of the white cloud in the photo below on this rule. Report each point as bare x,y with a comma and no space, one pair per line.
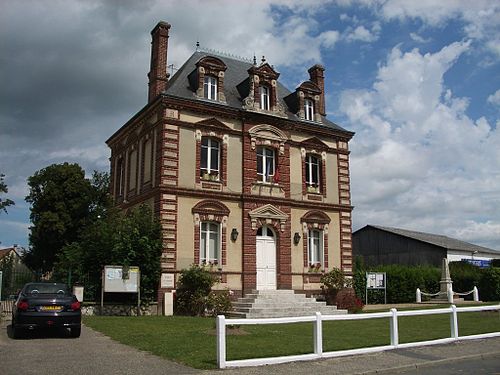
494,98
418,161
329,38
417,38
362,34
481,17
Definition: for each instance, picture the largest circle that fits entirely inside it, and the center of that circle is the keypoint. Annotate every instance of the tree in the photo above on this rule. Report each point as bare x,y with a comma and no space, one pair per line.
63,202
132,239
4,203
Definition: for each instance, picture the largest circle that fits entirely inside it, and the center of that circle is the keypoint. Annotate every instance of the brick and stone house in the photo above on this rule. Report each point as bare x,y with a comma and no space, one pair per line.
245,176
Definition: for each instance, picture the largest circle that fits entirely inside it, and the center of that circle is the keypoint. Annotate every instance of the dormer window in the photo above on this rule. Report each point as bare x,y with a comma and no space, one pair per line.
309,109
264,98
207,80
210,88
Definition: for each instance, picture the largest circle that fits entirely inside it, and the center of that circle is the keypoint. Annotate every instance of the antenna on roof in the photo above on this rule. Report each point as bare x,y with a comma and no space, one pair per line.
172,68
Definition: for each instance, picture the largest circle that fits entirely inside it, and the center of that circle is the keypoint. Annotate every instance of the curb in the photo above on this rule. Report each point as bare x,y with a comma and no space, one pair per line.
429,363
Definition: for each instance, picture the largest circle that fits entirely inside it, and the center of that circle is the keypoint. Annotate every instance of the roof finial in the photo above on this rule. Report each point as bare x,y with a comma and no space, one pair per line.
254,59
263,60
197,45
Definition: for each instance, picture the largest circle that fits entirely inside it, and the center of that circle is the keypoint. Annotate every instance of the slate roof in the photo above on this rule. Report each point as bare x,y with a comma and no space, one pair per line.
236,73
438,240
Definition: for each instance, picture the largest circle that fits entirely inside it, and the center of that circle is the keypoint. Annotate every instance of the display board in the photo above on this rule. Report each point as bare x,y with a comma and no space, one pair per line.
374,281
116,281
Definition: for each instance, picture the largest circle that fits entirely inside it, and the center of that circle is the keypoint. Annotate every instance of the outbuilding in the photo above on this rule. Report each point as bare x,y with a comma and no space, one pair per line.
384,245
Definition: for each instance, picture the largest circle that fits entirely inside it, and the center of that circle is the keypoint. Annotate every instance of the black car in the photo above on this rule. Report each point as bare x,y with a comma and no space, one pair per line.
46,305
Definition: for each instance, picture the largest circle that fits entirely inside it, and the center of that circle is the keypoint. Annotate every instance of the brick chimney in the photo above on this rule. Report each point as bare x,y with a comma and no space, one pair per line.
158,76
316,75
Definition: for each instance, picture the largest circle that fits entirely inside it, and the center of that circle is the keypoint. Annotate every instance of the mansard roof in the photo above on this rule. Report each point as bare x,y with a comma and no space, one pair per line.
235,86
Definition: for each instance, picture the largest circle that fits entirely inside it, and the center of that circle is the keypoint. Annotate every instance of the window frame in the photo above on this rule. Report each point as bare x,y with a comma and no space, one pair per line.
205,250
264,176
265,97
210,148
210,87
309,109
310,166
312,261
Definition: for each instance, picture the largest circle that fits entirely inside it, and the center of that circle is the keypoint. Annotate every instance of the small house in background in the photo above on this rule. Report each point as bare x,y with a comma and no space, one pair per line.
383,245
14,272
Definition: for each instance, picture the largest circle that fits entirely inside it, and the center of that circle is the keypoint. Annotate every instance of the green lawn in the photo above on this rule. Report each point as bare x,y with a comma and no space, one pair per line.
192,341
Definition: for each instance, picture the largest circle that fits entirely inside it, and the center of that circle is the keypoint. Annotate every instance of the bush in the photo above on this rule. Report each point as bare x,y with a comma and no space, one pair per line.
489,285
465,276
333,281
346,299
402,282
194,295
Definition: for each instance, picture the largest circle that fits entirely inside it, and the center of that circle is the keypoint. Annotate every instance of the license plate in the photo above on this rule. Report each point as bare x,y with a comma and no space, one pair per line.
51,308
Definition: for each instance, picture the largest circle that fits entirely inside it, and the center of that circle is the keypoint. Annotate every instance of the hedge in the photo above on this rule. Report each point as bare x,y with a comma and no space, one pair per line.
403,281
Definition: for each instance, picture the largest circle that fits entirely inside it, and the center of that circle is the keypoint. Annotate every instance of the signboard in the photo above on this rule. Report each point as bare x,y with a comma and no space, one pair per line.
375,280
482,263
167,280
118,281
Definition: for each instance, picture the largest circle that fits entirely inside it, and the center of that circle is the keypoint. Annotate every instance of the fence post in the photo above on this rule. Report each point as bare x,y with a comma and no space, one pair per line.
449,294
318,335
475,294
394,328
419,296
220,326
454,322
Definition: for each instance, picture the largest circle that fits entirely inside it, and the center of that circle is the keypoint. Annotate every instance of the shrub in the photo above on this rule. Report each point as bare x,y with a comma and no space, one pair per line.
465,276
347,299
489,285
402,282
194,295
333,281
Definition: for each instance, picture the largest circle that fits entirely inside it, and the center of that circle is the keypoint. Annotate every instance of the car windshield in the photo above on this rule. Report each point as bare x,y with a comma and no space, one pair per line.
42,288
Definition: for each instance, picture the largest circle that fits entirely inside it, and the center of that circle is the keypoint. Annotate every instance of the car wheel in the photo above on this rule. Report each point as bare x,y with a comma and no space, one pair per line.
17,332
75,332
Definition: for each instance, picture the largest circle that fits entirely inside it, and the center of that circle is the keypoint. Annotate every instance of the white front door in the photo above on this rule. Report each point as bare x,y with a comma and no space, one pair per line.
266,259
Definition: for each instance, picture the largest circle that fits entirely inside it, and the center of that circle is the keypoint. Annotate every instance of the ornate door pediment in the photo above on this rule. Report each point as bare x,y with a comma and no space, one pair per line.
269,215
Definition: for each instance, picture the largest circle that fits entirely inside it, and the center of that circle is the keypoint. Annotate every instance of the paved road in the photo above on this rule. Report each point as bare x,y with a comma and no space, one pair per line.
96,354
93,353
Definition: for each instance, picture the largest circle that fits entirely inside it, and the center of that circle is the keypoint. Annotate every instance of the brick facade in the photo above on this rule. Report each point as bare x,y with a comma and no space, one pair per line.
168,133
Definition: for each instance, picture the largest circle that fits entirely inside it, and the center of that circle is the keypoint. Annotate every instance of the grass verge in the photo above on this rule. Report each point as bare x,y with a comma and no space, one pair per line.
192,341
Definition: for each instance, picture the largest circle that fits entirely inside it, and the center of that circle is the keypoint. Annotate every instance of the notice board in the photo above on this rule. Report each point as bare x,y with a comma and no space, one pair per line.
116,281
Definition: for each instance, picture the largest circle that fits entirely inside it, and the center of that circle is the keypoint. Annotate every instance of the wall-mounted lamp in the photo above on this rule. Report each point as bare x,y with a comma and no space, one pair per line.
296,238
234,234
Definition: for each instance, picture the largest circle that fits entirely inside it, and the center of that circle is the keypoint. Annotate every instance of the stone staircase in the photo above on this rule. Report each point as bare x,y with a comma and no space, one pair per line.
279,303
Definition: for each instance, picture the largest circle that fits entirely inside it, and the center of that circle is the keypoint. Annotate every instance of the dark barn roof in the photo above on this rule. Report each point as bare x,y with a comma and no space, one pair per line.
435,239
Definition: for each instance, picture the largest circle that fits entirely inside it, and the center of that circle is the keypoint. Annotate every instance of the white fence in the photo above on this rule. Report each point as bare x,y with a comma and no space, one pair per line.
318,320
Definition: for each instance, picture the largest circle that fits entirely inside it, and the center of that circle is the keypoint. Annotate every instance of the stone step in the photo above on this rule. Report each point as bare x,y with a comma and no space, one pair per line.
280,303
262,304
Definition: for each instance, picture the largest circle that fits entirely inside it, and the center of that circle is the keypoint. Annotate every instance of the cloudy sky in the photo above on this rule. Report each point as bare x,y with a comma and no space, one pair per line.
418,81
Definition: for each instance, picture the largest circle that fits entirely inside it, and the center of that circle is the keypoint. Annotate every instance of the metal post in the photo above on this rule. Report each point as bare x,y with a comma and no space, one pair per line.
419,296
318,335
220,325
454,322
394,328
102,291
